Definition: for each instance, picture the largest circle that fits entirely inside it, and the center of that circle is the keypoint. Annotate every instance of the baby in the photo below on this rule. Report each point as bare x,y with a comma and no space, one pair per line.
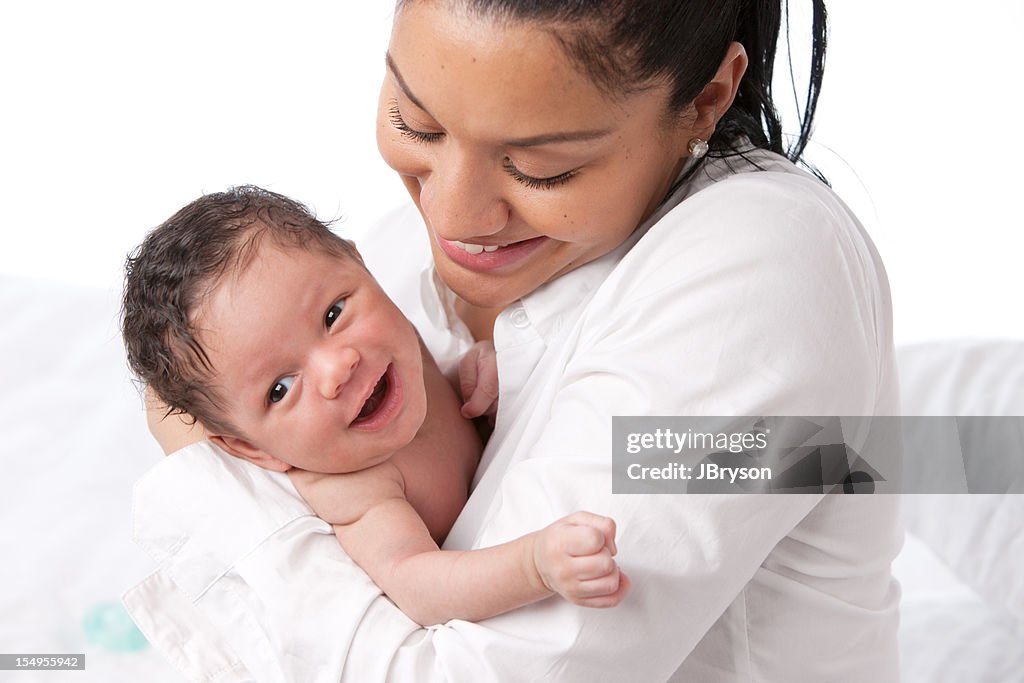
245,312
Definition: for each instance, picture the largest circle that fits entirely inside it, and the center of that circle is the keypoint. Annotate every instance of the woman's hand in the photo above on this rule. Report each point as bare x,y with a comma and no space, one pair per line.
172,432
574,559
478,381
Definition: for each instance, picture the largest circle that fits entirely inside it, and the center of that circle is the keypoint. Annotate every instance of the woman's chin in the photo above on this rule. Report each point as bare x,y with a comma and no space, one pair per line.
487,292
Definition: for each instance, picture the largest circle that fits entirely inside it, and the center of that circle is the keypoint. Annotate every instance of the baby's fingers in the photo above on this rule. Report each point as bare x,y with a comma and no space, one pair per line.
608,599
590,533
594,566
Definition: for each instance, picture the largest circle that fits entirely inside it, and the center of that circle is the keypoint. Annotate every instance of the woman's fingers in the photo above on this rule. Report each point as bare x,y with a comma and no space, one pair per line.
478,380
467,374
172,431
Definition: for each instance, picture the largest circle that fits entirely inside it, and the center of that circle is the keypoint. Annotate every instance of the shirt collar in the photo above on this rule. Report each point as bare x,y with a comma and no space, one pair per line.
547,307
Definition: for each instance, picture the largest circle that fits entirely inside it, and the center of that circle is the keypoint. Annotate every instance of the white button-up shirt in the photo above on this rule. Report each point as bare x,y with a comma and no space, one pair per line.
751,292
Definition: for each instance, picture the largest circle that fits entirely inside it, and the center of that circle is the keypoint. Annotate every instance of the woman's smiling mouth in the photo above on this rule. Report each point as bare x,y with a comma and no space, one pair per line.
488,257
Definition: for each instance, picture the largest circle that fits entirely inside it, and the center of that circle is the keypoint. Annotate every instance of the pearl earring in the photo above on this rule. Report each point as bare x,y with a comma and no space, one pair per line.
698,148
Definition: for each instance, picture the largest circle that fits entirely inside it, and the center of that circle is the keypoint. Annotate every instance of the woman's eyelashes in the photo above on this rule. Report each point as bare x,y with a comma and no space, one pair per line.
416,135
537,183
532,182
334,312
280,388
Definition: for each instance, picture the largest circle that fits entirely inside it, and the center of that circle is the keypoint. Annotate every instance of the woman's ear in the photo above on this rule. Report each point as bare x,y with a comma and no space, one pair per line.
718,95
240,448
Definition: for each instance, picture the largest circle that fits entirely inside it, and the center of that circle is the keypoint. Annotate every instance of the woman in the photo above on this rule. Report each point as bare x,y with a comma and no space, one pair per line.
605,195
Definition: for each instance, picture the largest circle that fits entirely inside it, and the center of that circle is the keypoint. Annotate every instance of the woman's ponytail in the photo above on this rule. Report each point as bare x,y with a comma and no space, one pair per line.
753,113
625,44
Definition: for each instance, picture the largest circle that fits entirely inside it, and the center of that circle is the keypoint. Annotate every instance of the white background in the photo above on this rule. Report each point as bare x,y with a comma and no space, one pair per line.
113,114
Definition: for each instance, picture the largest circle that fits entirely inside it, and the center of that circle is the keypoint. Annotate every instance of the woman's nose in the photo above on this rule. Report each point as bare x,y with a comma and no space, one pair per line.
334,369
461,202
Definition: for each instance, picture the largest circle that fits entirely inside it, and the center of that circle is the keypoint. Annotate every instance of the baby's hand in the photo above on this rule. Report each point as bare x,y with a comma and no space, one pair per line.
478,381
574,559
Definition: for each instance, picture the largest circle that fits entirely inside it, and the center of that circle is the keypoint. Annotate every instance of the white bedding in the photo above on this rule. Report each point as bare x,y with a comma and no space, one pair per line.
963,566
948,633
75,441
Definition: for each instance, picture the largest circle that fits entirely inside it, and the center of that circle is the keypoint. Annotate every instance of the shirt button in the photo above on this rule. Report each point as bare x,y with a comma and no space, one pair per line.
519,318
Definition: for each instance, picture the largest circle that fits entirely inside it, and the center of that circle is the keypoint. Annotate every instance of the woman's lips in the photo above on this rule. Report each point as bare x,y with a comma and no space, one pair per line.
476,257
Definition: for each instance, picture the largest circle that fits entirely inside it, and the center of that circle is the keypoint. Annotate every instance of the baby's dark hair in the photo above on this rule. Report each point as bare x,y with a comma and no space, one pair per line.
179,263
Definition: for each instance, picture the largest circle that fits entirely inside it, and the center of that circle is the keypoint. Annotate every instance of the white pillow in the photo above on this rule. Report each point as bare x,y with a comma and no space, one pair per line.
980,537
949,634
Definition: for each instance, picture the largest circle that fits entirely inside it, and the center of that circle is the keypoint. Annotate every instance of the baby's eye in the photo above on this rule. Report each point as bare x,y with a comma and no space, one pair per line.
280,388
333,312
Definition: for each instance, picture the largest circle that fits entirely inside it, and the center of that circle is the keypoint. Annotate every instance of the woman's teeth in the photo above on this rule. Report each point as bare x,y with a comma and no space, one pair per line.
476,248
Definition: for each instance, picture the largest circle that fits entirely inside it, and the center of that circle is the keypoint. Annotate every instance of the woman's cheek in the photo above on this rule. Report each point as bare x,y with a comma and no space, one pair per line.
401,154
391,149
569,214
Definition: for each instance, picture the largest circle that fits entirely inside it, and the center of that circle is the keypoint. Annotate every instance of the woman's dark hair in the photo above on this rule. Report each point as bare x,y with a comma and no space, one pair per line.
625,44
171,273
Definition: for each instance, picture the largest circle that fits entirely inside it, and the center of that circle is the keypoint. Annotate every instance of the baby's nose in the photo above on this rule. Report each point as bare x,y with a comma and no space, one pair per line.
335,369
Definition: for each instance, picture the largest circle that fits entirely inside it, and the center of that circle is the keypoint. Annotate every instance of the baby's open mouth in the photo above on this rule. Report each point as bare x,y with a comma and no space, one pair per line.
375,401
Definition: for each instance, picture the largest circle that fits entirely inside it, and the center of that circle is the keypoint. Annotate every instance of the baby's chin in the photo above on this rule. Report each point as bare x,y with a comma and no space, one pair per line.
349,462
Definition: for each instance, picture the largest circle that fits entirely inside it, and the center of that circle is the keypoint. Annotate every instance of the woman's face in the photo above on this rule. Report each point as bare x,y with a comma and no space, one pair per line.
522,168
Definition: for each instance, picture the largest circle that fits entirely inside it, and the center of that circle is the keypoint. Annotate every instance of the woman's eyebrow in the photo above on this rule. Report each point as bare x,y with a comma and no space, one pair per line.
402,84
571,136
532,141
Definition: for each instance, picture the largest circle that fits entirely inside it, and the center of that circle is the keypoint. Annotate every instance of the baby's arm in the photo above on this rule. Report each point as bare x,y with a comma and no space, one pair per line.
387,518
572,557
389,540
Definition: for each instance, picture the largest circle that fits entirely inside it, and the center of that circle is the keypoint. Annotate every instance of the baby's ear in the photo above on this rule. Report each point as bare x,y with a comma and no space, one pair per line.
240,448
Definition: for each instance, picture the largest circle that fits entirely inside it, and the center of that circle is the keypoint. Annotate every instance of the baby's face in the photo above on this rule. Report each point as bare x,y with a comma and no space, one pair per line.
319,369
